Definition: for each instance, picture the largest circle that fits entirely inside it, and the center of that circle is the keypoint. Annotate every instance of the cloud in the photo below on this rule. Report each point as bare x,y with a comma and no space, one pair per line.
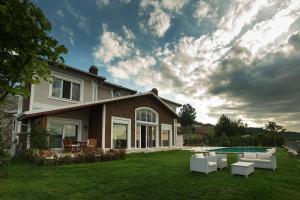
265,89
128,33
83,22
101,3
159,23
246,66
125,1
68,33
111,46
60,13
158,15
135,67
173,5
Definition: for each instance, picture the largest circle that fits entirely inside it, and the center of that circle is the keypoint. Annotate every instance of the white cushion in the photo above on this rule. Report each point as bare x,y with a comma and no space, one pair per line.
211,164
250,155
212,153
199,155
224,160
264,155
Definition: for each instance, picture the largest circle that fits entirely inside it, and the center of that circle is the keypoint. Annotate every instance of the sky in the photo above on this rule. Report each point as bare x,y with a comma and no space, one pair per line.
235,57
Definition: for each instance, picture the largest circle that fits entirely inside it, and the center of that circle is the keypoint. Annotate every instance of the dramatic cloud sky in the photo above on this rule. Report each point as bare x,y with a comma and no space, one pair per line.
238,57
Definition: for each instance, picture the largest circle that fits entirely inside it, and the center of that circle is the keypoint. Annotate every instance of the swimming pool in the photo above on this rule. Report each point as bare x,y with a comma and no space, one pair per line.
239,149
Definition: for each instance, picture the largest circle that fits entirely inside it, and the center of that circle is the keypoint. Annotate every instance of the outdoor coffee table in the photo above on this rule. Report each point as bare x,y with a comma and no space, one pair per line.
242,168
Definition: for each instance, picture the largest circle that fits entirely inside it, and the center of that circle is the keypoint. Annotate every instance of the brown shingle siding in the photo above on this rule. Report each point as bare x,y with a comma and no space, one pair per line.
126,109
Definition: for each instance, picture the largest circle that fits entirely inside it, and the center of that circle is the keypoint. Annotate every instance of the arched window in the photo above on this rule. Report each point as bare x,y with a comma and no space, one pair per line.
146,115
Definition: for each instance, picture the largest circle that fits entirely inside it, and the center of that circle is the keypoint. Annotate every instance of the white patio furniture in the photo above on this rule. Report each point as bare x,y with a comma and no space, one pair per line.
221,159
242,168
204,164
272,151
260,160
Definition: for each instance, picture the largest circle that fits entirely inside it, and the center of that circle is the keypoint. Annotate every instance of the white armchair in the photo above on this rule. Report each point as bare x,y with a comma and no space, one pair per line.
204,164
221,161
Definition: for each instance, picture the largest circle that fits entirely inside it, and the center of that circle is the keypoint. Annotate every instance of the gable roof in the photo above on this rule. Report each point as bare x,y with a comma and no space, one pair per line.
172,102
101,79
47,111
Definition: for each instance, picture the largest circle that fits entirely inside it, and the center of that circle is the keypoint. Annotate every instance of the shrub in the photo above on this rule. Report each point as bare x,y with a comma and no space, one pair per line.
4,158
41,157
38,138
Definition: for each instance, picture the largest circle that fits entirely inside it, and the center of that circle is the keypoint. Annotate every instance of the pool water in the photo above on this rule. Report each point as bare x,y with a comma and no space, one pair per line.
239,149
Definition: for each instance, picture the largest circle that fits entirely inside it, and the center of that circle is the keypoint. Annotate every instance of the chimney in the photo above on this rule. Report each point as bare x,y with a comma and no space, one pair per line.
93,70
155,91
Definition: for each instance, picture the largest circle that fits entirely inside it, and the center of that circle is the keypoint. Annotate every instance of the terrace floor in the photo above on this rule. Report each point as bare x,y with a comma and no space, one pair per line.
158,175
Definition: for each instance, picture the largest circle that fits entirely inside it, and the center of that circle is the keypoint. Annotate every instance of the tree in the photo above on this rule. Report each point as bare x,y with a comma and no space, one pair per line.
223,125
187,115
24,41
273,127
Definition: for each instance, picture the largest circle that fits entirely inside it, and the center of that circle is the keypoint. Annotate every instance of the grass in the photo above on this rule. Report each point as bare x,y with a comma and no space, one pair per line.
163,175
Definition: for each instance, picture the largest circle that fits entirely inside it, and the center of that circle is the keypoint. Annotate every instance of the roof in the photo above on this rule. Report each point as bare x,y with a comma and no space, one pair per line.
119,86
46,111
173,102
101,78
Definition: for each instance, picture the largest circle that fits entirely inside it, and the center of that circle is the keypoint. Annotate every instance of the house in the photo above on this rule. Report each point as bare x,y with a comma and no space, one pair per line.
82,105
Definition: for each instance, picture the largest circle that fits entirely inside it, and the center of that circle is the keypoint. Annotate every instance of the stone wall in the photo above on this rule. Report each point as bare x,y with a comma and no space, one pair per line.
7,117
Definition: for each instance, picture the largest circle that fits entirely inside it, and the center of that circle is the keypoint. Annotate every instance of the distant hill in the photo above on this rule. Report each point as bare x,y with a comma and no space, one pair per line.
290,135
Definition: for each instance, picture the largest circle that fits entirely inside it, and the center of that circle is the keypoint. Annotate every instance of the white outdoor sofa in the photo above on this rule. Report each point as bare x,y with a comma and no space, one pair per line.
204,164
261,160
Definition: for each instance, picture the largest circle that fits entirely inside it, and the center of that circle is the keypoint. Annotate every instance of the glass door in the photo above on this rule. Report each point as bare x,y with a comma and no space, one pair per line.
151,136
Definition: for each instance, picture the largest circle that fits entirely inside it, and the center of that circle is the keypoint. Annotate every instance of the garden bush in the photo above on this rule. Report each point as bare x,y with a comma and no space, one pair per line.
38,138
41,157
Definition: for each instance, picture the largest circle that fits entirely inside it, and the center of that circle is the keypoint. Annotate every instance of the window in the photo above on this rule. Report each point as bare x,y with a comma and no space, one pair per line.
75,91
116,94
119,136
146,115
165,138
60,129
120,133
56,133
166,135
65,89
56,87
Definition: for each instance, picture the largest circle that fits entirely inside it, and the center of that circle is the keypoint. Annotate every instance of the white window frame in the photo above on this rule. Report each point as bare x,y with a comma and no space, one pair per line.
65,121
146,122
94,91
120,120
70,79
137,122
169,128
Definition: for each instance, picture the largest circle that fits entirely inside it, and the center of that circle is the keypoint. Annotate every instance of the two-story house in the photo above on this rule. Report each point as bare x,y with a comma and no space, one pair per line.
82,105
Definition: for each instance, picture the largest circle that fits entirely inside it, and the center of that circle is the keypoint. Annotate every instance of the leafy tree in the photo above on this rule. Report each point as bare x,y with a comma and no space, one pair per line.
23,41
273,127
230,127
187,115
224,125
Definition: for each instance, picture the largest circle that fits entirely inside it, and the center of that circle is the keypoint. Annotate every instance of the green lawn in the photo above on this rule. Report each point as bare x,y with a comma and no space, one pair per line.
163,175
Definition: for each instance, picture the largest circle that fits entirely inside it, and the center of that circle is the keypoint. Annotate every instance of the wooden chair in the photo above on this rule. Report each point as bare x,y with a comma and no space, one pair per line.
91,144
67,144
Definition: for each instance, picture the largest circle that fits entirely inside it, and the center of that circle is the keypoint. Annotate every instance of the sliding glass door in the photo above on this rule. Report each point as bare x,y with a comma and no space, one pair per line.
60,129
151,136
